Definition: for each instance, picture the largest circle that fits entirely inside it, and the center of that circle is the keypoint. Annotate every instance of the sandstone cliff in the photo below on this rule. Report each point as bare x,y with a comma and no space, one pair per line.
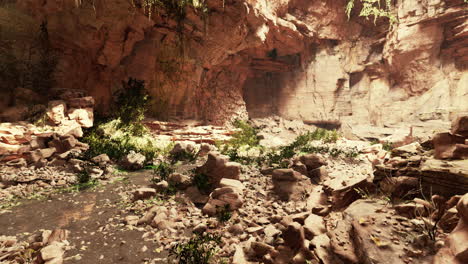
295,58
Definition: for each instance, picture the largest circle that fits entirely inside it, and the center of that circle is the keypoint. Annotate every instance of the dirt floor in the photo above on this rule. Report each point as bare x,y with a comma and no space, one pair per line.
92,217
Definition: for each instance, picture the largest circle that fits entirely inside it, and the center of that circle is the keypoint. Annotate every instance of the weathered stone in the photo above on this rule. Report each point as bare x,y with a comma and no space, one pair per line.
449,146
314,226
235,184
56,111
294,236
179,180
133,161
225,198
196,196
290,185
144,193
84,116
217,167
39,154
313,161
460,126
103,158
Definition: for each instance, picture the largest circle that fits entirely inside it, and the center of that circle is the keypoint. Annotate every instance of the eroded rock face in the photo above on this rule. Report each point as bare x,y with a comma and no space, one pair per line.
296,58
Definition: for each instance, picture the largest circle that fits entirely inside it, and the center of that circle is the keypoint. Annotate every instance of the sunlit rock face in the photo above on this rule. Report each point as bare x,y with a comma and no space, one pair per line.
295,58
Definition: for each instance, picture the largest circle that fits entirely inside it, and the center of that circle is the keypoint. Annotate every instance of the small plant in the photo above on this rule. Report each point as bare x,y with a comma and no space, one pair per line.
223,213
162,171
387,146
200,249
202,181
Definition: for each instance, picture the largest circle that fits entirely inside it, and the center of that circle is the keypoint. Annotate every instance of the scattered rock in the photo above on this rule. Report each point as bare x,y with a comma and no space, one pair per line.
144,193
133,161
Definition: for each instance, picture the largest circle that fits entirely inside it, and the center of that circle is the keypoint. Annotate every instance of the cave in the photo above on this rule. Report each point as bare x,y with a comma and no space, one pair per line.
233,131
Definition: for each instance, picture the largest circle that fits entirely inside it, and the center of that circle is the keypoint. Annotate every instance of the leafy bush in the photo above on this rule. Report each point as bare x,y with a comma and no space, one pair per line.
162,171
202,182
116,143
200,249
223,213
131,106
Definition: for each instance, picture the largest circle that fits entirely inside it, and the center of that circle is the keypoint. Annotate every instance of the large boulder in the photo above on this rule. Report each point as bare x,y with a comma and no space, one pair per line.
217,167
224,198
133,161
460,126
456,246
448,146
289,184
56,111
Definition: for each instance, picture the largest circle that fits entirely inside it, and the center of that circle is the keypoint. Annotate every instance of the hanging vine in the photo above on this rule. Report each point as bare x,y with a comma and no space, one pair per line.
373,8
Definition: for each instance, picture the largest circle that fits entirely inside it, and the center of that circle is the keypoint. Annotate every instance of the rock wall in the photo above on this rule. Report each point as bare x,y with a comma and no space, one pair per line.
296,58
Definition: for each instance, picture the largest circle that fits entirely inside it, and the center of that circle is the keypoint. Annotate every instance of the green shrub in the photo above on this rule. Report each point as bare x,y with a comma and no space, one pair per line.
117,147
202,181
131,104
200,249
161,171
223,213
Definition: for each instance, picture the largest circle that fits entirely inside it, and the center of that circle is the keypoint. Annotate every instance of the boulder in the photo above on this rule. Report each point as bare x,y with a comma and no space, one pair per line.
144,193
182,148
56,111
289,184
460,126
314,225
456,245
235,184
181,181
225,198
313,161
448,146
217,167
84,116
294,236
100,159
63,144
133,161
39,154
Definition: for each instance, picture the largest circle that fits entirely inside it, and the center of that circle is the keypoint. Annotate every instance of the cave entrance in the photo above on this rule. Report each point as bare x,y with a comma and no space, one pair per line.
264,88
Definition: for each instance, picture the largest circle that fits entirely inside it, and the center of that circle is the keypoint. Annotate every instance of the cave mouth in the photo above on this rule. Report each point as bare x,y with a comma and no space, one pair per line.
267,84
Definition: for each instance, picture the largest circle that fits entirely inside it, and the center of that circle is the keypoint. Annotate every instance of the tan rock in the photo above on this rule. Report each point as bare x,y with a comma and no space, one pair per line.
144,193
460,126
56,111
84,116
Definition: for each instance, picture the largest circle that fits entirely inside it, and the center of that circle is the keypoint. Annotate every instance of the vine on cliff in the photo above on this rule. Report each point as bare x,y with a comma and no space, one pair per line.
376,8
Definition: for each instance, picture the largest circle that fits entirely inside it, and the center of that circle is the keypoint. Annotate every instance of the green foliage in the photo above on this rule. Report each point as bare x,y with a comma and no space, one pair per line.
223,213
202,181
161,171
244,140
246,136
200,249
301,144
118,146
373,8
131,106
387,146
